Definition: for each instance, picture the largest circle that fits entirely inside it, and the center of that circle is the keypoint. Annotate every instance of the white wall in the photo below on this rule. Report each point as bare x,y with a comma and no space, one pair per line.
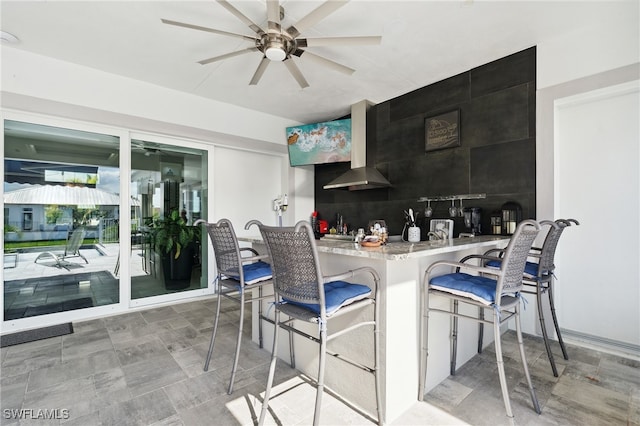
236,178
576,64
614,43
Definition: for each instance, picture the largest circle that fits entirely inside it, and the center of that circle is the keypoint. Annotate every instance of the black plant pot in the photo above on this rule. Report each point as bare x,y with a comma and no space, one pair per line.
177,272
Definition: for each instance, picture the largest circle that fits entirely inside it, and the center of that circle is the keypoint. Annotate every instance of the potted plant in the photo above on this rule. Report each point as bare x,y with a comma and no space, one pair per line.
175,243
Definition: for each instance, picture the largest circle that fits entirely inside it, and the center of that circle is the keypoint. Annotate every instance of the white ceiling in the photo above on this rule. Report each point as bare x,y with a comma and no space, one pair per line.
422,42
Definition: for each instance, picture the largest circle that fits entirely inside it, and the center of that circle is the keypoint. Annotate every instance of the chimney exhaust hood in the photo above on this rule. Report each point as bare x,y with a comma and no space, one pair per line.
360,176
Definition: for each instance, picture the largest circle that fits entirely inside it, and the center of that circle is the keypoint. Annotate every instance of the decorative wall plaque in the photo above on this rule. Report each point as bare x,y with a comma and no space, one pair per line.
442,131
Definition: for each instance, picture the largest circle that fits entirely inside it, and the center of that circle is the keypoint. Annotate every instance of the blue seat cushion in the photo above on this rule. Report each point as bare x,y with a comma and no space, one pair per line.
336,295
253,272
531,268
481,289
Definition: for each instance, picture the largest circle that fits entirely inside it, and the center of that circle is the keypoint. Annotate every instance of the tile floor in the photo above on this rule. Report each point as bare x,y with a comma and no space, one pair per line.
145,368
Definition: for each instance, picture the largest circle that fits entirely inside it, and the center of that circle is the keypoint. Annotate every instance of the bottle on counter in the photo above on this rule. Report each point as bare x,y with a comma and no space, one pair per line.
383,235
315,225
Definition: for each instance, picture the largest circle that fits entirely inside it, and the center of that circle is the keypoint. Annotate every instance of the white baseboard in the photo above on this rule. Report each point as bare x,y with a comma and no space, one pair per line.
615,347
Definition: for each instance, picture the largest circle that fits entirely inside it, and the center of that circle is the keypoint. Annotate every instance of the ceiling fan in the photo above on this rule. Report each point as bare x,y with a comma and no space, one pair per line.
277,44
146,148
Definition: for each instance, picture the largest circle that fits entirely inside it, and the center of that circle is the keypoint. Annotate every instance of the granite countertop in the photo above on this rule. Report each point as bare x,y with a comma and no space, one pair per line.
399,250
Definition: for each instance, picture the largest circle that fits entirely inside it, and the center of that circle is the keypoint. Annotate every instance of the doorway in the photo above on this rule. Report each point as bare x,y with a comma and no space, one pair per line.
597,182
168,191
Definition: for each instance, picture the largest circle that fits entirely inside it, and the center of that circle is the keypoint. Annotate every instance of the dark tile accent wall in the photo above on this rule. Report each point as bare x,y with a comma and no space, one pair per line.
496,155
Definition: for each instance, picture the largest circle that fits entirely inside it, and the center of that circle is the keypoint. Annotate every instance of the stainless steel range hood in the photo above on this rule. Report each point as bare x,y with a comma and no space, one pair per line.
360,176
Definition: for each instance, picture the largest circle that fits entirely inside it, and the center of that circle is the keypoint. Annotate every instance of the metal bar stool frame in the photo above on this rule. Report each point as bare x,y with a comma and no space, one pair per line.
295,260
231,283
542,282
508,284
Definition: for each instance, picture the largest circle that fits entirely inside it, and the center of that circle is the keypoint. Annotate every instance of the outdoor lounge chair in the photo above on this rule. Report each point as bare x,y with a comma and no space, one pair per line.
71,249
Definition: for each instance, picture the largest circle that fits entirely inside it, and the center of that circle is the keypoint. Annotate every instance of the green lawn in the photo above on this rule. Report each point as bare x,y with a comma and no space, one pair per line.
13,245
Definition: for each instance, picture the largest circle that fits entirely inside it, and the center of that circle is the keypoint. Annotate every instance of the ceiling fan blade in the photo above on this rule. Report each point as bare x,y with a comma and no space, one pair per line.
228,55
340,41
316,15
209,30
248,22
273,14
295,72
259,71
326,62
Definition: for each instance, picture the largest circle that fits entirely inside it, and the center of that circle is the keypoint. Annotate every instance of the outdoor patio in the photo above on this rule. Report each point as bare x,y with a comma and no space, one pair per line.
101,257
45,287
32,288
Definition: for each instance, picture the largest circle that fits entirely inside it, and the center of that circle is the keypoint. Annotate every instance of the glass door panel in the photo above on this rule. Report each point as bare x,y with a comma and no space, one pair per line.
168,190
61,207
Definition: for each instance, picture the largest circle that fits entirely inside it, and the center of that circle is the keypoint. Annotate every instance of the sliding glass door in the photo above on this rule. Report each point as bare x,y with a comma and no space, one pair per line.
61,212
168,193
80,242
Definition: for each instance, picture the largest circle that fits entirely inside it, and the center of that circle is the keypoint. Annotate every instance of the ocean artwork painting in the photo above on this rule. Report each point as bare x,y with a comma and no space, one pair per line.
320,143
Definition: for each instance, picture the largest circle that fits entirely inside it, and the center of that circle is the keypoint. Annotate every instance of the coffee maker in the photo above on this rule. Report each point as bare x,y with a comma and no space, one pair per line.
473,219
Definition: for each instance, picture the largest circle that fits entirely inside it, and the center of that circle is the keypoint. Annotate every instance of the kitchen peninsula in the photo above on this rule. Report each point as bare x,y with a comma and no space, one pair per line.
401,266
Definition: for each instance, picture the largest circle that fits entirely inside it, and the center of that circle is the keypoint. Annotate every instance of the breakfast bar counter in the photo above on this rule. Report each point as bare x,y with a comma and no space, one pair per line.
401,266
404,250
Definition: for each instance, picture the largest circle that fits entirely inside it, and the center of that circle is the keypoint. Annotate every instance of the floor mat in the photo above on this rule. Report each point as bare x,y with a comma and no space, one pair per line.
37,334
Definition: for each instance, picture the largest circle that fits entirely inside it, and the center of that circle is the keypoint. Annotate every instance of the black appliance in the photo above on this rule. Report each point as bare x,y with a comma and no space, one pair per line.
511,216
473,219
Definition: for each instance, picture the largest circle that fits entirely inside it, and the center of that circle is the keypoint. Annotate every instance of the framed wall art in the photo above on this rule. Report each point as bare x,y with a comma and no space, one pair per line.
320,143
442,131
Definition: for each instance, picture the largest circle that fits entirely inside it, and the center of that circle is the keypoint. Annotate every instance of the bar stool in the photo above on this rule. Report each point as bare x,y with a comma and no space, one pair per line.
303,293
538,279
498,289
236,275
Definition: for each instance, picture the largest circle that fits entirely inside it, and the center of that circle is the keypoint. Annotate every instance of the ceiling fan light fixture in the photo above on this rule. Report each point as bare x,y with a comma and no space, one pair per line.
275,51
